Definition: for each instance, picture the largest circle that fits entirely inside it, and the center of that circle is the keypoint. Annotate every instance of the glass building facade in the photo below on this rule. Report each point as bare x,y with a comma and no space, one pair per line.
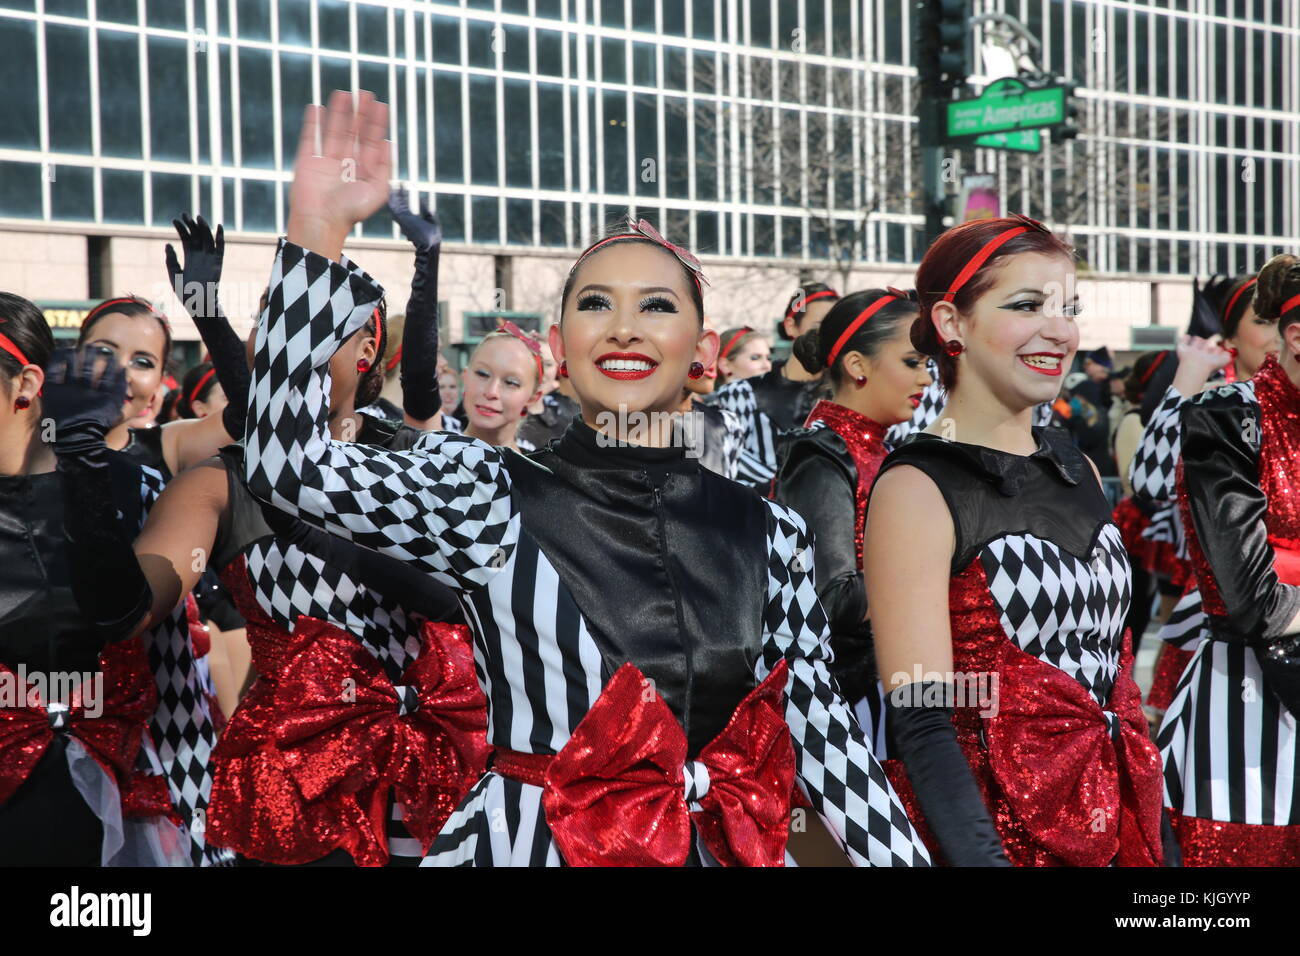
750,128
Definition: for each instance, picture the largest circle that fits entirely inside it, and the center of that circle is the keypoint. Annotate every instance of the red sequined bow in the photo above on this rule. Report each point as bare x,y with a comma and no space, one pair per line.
1085,797
615,794
342,729
112,738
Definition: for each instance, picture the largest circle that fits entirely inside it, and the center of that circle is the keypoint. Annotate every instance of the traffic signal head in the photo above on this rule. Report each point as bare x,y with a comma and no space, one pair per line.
1070,128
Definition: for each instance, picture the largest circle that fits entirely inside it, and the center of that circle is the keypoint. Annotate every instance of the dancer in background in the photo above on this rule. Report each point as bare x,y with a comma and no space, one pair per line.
994,554
73,790
200,393
1229,738
878,378
1133,514
297,779
781,398
744,354
503,377
590,571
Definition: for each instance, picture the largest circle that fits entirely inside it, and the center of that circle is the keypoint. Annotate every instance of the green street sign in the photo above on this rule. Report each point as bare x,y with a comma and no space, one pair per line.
1022,140
1005,106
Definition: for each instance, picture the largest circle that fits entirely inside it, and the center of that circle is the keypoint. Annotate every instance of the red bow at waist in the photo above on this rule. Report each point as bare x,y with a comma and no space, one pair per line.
28,723
1286,562
1085,782
345,729
617,793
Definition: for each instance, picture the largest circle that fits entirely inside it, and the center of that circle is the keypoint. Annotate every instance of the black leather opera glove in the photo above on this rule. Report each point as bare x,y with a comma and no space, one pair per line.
195,284
922,736
419,356
1221,440
1226,507
821,488
83,396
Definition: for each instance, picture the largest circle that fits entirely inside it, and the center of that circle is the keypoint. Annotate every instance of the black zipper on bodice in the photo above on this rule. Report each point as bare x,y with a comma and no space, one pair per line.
666,561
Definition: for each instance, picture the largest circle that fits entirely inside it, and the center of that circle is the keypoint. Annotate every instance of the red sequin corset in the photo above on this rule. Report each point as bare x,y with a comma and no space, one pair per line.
324,739
866,443
1067,783
1279,453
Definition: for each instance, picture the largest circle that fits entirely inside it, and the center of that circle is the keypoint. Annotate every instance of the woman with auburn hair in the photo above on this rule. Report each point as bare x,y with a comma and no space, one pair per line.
1228,738
990,555
613,636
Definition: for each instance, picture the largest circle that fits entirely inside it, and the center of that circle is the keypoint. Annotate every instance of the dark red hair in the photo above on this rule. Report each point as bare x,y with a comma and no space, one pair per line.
946,259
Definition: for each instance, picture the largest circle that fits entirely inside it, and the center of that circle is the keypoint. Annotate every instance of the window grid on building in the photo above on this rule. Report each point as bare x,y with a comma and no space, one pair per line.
749,128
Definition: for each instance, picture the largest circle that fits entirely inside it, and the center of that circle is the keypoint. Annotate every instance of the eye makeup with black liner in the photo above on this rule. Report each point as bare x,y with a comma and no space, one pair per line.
587,300
657,303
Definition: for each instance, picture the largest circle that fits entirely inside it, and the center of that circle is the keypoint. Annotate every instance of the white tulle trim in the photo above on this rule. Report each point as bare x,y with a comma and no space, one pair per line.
149,841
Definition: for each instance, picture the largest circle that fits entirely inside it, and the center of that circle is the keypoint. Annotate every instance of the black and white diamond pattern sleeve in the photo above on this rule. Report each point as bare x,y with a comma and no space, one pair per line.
756,464
733,442
933,399
1152,470
444,506
839,773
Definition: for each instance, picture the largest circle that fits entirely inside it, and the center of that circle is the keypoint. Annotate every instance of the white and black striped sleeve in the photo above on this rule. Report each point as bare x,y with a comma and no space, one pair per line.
839,773
444,506
1152,470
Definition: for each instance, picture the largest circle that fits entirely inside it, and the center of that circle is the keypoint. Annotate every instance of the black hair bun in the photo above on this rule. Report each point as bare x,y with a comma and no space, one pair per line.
807,349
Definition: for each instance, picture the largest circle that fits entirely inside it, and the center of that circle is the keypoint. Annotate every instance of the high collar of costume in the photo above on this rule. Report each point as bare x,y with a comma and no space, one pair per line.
845,421
1009,472
582,445
1274,386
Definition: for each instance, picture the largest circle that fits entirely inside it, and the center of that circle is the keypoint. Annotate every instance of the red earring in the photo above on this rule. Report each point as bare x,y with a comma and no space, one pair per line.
523,413
21,402
363,366
953,348
860,381
696,370
564,370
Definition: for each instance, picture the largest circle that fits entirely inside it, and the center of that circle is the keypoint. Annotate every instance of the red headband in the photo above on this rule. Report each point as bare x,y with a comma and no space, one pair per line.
203,380
798,305
1288,305
118,301
990,247
861,320
509,328
1237,295
736,337
379,331
1152,370
7,344
393,362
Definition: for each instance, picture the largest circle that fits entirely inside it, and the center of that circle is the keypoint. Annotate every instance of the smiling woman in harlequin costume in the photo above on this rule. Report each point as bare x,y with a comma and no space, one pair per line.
865,347
993,556
613,637
1228,738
